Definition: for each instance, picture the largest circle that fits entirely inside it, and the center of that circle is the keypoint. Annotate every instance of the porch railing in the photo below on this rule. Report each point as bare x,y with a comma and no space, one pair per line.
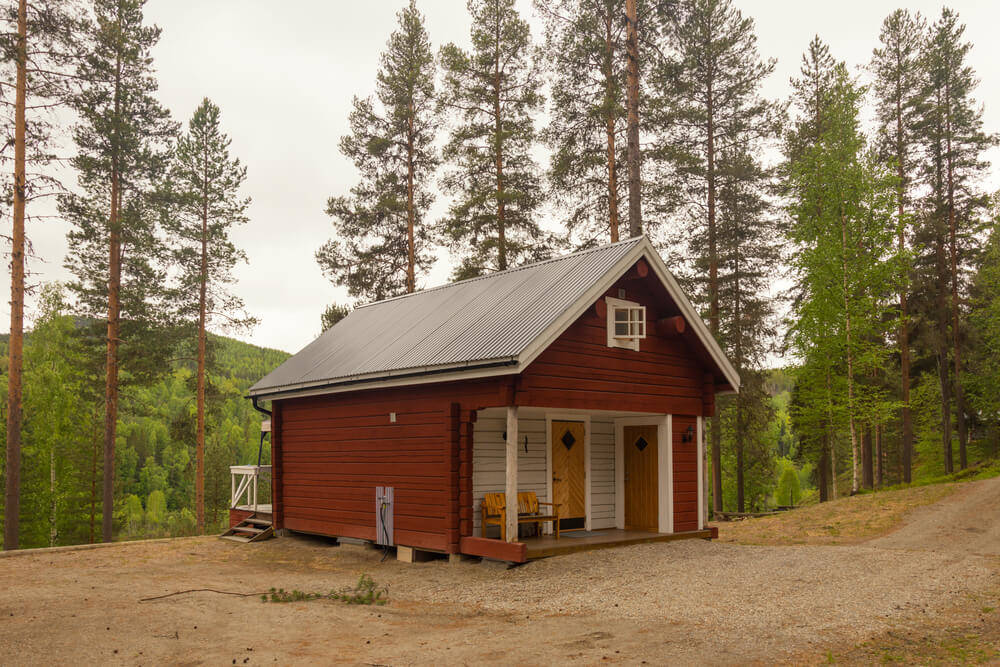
244,485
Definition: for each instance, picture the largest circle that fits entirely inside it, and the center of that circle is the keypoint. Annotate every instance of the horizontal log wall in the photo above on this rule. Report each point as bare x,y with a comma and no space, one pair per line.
685,474
334,450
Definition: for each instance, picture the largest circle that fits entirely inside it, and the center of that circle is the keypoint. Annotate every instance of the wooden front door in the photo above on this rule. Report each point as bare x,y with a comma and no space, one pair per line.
569,483
641,478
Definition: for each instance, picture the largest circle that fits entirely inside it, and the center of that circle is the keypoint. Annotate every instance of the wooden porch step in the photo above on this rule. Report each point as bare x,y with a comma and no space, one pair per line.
248,529
251,529
259,522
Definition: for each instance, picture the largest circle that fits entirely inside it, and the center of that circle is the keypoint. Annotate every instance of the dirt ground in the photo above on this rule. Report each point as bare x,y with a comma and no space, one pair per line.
928,591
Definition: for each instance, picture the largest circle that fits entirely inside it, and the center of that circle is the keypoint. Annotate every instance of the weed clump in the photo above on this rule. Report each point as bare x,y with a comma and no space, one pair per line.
365,592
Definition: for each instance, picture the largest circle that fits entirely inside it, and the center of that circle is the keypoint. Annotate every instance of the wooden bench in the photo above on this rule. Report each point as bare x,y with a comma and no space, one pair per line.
494,509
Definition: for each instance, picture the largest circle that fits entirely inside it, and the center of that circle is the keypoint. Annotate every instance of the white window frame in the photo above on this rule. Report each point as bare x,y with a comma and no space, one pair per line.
630,342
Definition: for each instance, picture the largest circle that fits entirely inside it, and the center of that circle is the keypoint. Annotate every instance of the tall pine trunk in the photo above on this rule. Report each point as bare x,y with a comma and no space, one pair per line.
114,324
740,494
942,355
199,486
713,296
12,488
879,457
498,142
53,533
411,261
904,333
963,434
867,457
823,472
831,451
632,120
111,361
609,82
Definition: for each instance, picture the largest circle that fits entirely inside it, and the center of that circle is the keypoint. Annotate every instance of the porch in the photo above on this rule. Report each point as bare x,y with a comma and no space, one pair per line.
615,478
249,486
545,546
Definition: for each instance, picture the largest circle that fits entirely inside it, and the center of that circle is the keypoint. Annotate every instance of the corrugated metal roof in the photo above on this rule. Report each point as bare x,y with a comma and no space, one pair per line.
486,320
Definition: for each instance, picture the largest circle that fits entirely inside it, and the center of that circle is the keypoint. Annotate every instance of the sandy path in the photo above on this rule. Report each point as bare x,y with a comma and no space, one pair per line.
967,522
682,602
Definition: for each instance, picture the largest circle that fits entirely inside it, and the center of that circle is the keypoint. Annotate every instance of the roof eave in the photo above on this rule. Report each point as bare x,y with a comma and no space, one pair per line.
411,376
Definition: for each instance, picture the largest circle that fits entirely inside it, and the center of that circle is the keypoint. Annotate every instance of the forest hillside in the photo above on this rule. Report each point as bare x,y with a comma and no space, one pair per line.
155,446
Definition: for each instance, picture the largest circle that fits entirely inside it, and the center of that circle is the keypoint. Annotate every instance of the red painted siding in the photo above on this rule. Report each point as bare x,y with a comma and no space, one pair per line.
334,450
579,370
685,455
236,516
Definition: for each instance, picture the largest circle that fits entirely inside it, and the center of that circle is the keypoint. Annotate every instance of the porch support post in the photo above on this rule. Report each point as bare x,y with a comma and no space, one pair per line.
511,527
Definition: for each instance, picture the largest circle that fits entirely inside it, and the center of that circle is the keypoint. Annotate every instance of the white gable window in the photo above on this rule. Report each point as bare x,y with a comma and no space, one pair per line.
626,323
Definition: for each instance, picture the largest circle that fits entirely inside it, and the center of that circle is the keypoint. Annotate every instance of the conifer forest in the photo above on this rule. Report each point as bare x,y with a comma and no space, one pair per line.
842,244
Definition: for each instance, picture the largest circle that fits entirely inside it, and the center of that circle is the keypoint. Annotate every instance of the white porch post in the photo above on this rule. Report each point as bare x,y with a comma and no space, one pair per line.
511,489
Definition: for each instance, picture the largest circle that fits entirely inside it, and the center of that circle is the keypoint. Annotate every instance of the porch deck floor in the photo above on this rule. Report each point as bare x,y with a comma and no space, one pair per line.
261,508
548,545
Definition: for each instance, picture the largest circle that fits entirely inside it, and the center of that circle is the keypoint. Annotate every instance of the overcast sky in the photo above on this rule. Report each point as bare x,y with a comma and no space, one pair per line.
284,74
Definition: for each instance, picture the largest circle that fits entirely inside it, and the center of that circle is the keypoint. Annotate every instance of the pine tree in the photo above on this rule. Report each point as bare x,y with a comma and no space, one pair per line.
205,204
748,250
584,42
984,319
898,91
953,126
633,155
707,105
116,256
35,53
382,242
333,314
492,92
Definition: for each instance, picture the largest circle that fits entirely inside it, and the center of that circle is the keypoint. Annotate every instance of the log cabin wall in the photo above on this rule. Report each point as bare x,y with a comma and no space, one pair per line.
332,451
578,370
685,460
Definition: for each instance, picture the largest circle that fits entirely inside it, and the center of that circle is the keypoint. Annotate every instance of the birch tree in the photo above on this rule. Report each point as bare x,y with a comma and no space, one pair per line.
841,200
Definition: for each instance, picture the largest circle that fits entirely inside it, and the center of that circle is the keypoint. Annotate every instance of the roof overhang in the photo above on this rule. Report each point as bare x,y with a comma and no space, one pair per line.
514,365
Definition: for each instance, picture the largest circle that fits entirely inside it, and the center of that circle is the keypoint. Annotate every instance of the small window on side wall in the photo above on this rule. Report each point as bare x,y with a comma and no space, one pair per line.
626,323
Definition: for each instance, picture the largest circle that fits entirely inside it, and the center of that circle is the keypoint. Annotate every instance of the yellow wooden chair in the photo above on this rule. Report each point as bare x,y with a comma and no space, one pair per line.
494,511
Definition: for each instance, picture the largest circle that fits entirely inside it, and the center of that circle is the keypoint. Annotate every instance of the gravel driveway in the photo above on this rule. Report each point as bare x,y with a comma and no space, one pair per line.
683,602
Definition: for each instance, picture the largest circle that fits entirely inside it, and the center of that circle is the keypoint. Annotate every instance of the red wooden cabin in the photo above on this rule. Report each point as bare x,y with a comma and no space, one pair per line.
584,379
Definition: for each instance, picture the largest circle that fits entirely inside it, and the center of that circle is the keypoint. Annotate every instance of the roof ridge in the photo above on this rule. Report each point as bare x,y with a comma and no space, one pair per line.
633,240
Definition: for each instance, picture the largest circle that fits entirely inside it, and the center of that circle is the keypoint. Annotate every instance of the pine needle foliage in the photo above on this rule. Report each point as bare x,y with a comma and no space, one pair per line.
382,242
116,256
583,51
492,92
204,204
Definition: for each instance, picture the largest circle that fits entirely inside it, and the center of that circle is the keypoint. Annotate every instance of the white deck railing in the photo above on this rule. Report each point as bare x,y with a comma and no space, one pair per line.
244,480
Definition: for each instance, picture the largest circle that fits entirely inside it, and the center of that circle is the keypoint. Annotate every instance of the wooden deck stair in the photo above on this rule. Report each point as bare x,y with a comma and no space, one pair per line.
251,529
